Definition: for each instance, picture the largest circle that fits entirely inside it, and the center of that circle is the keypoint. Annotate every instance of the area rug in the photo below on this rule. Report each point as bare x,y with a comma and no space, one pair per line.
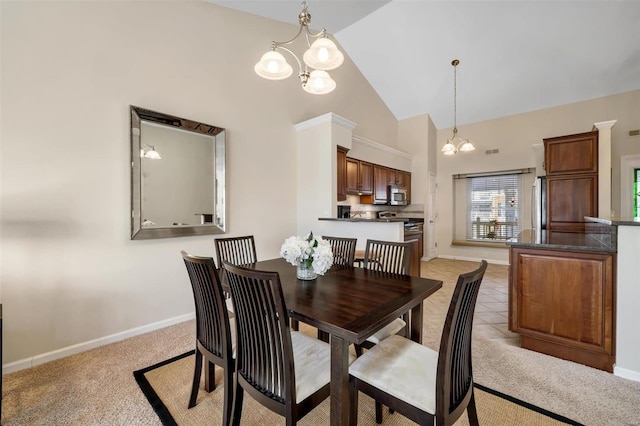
167,386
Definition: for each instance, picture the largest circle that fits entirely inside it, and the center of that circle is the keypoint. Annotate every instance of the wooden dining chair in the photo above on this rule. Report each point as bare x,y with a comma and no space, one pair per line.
344,250
418,382
395,258
236,250
214,334
286,371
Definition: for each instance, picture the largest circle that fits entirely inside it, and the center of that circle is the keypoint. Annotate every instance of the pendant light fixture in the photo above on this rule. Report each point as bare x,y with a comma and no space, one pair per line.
456,143
322,56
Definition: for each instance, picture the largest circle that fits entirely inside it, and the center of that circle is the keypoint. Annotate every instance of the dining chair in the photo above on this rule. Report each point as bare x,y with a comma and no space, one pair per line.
237,250
215,339
286,371
418,382
344,250
391,257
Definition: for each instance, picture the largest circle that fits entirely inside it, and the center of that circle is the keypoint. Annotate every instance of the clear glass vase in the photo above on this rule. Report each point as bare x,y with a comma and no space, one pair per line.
305,272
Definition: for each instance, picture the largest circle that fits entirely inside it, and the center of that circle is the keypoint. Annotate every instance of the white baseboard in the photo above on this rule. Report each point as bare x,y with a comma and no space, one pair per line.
474,259
91,344
626,373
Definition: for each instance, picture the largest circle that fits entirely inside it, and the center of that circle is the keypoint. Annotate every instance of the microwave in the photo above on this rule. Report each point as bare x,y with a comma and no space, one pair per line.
397,195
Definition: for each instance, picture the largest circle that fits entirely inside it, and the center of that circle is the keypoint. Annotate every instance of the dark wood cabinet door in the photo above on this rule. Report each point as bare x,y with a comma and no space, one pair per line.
366,178
417,250
380,182
569,199
571,154
342,173
562,304
352,168
404,179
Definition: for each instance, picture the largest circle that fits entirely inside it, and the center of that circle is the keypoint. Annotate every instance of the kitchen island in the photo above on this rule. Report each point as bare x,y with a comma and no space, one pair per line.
562,294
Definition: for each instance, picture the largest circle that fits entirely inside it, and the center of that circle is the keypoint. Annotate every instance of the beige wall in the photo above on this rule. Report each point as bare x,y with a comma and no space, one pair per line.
514,136
70,70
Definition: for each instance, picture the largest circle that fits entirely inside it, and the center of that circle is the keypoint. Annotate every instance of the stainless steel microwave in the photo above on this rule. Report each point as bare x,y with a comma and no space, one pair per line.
397,195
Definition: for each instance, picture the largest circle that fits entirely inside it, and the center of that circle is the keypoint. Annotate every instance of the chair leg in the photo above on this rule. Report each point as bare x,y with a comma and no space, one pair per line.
228,395
353,403
210,377
358,349
237,403
295,325
471,411
197,371
378,412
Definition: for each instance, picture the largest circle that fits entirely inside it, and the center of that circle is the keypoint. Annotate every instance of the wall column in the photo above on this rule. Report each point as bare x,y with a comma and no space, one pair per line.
604,168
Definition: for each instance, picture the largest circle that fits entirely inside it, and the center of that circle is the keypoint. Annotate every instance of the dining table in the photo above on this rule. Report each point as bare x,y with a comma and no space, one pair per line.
350,304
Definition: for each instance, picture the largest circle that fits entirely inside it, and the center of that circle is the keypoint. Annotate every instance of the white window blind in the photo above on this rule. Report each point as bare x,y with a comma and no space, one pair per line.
489,207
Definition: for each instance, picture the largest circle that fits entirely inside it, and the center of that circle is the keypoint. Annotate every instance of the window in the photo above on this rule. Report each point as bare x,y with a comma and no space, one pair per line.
489,207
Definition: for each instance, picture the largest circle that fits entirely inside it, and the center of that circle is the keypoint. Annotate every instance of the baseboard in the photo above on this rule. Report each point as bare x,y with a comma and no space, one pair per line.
91,344
474,259
626,373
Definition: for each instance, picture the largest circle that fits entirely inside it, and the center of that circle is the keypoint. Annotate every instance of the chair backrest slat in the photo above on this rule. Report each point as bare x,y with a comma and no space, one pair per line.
212,324
455,373
344,250
388,256
236,250
264,352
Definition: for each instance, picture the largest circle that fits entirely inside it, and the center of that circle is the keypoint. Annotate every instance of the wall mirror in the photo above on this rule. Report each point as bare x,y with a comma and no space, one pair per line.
177,176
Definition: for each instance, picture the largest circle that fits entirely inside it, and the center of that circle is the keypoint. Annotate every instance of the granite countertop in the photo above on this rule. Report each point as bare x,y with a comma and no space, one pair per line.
569,241
615,221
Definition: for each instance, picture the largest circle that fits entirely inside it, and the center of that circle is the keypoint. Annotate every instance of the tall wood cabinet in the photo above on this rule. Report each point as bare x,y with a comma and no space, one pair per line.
571,163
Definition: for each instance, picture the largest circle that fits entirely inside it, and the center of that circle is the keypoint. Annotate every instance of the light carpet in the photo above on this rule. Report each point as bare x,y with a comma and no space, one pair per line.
167,386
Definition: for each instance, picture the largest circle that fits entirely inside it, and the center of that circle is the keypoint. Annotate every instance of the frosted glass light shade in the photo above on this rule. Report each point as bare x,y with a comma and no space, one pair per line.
449,148
151,154
273,66
319,83
467,146
323,55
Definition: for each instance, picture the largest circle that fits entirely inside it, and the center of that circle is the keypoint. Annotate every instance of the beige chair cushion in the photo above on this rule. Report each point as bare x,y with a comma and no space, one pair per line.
402,368
388,330
312,361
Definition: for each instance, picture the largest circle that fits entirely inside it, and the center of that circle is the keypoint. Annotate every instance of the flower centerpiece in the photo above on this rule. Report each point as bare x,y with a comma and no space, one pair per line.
311,255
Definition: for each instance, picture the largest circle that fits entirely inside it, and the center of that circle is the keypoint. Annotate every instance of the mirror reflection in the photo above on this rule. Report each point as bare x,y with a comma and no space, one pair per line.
178,176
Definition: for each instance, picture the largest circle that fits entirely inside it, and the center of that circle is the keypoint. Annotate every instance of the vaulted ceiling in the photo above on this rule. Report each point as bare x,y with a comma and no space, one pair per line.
515,56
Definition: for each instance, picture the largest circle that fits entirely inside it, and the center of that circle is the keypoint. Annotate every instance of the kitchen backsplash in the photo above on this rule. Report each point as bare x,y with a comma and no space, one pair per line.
371,210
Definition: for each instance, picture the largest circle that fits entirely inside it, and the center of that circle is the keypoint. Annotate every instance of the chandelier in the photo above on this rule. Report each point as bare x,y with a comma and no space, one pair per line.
456,143
320,57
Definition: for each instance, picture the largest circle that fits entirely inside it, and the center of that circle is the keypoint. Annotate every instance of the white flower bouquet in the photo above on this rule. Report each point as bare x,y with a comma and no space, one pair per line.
308,253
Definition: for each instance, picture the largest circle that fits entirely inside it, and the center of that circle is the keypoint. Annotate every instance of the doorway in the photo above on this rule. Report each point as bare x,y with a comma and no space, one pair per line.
629,186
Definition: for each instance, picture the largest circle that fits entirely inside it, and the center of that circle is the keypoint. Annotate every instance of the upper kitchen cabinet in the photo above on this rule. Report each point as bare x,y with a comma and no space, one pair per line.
571,154
342,173
404,179
382,177
571,163
359,177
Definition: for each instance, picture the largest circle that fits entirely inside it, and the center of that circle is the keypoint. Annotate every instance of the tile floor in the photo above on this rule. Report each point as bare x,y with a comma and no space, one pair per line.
490,320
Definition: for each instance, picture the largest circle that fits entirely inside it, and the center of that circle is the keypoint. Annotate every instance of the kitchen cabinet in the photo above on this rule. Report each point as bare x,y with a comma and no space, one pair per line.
359,177
562,304
342,173
417,250
404,179
571,163
382,177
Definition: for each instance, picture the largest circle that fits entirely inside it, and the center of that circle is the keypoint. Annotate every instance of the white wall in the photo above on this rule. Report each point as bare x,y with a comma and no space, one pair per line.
70,70
514,136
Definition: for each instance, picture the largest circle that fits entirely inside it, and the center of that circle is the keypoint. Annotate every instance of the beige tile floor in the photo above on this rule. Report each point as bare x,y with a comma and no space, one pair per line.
490,320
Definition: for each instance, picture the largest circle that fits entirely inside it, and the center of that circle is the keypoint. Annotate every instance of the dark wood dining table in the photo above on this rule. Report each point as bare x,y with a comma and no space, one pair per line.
350,304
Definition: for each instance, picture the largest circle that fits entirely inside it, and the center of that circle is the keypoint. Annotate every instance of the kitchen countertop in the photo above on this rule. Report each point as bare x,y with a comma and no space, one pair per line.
570,241
362,219
615,221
